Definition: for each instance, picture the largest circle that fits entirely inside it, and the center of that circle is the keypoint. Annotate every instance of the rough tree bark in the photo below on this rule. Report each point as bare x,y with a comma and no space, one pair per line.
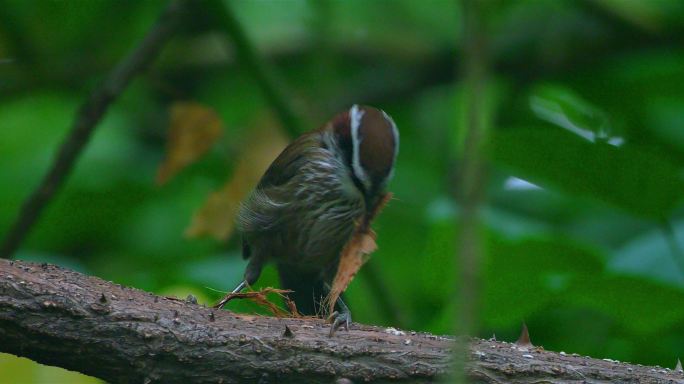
123,335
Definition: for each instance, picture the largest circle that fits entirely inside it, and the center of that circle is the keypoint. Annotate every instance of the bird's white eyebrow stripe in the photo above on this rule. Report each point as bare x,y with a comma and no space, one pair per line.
395,132
355,116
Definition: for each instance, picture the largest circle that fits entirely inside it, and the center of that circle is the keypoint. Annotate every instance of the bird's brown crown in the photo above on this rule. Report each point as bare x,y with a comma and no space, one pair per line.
370,141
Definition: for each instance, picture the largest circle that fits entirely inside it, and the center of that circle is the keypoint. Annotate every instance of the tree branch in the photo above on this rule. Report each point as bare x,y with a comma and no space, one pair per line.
60,317
87,118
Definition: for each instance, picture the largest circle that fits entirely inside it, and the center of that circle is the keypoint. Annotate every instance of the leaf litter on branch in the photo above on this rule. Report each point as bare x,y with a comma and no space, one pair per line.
260,298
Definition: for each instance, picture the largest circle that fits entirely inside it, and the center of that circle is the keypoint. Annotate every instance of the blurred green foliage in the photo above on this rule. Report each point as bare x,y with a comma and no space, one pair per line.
583,220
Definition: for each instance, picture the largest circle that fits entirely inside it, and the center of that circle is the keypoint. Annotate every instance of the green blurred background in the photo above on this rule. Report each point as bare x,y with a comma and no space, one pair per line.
583,222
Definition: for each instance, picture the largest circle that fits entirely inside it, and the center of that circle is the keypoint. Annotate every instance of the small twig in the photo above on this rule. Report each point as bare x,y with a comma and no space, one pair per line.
87,118
255,65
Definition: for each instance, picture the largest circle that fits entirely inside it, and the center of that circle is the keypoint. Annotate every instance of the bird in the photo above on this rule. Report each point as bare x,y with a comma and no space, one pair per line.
308,202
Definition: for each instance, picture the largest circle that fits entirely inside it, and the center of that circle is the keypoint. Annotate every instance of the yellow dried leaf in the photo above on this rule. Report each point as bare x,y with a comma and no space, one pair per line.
193,129
217,217
355,254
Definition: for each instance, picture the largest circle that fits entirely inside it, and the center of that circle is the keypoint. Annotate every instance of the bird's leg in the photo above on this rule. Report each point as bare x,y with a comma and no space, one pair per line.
339,318
252,273
243,284
229,296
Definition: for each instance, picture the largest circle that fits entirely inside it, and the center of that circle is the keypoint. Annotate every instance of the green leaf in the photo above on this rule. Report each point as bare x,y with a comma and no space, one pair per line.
219,272
648,15
639,305
637,181
648,255
23,370
665,118
523,277
563,107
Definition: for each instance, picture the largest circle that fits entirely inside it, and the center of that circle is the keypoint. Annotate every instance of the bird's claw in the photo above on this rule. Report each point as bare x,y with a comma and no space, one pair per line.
223,301
339,319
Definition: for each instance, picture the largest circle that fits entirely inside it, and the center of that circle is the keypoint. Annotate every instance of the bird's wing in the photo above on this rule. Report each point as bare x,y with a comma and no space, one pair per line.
270,201
286,165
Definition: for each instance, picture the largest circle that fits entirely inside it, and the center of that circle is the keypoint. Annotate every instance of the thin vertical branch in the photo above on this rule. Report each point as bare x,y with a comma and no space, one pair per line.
383,295
470,182
675,249
87,118
471,178
255,65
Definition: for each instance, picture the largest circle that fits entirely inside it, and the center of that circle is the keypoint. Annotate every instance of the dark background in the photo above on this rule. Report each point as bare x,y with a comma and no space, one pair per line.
584,113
